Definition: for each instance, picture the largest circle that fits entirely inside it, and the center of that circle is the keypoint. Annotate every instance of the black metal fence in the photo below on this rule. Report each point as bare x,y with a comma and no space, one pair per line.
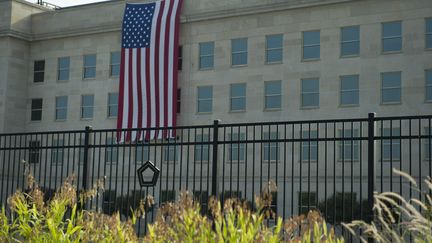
332,165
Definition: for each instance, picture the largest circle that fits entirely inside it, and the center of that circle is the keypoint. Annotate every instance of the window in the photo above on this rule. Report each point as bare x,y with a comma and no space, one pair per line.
392,36
34,152
428,77
273,94
206,55
428,33
205,99
61,108
57,153
112,104
89,66
391,87
390,147
202,150
239,51
350,41
349,90
178,100
142,153
273,203
428,143
238,97
39,71
36,110
271,149
306,202
63,67
237,151
310,93
167,196
114,64
171,152
309,149
274,48
87,105
180,58
111,152
311,45
108,204
349,150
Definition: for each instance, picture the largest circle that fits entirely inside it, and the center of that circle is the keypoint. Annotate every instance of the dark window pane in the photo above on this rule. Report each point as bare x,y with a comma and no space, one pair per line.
392,29
429,93
393,44
311,52
36,104
38,77
310,85
350,98
205,106
239,58
274,56
63,63
349,82
206,48
311,37
310,100
273,102
273,87
36,115
90,72
351,33
429,41
39,65
274,41
350,48
180,58
238,104
63,74
206,62
90,60
239,45
391,95
238,90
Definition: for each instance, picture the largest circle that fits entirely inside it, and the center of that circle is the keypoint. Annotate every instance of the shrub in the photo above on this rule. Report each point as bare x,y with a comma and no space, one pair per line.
397,219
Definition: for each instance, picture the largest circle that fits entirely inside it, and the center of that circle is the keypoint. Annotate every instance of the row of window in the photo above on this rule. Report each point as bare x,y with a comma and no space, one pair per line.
348,150
391,39
61,107
349,47
391,92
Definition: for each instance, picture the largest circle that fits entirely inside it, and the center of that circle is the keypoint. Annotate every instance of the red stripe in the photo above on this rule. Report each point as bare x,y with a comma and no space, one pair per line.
120,97
147,80
166,70
156,70
175,68
140,104
131,104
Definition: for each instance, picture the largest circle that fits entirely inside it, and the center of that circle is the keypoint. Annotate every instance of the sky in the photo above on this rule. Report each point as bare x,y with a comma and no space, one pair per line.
67,3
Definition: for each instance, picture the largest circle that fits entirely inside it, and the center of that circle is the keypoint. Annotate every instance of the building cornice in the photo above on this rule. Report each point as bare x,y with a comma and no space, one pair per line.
204,16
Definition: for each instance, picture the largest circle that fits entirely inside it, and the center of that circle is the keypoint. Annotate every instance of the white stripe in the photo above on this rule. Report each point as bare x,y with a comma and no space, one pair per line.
143,92
125,94
152,68
171,67
134,94
162,66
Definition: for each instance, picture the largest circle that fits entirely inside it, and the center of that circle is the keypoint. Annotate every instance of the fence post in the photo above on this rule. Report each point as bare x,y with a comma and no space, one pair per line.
215,174
85,159
371,166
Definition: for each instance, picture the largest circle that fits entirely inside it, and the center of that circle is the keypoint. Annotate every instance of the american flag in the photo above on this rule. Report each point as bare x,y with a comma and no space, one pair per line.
148,70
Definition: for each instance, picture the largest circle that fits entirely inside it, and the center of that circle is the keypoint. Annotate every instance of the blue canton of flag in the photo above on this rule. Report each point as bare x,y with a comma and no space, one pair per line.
137,25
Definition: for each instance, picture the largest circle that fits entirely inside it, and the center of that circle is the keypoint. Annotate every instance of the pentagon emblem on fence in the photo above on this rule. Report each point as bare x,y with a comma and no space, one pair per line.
148,174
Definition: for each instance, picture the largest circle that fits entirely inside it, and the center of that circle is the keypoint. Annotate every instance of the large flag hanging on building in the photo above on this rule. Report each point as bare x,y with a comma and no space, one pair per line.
148,70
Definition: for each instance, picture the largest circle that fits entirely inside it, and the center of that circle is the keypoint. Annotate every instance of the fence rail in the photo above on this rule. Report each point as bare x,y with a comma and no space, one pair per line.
332,165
